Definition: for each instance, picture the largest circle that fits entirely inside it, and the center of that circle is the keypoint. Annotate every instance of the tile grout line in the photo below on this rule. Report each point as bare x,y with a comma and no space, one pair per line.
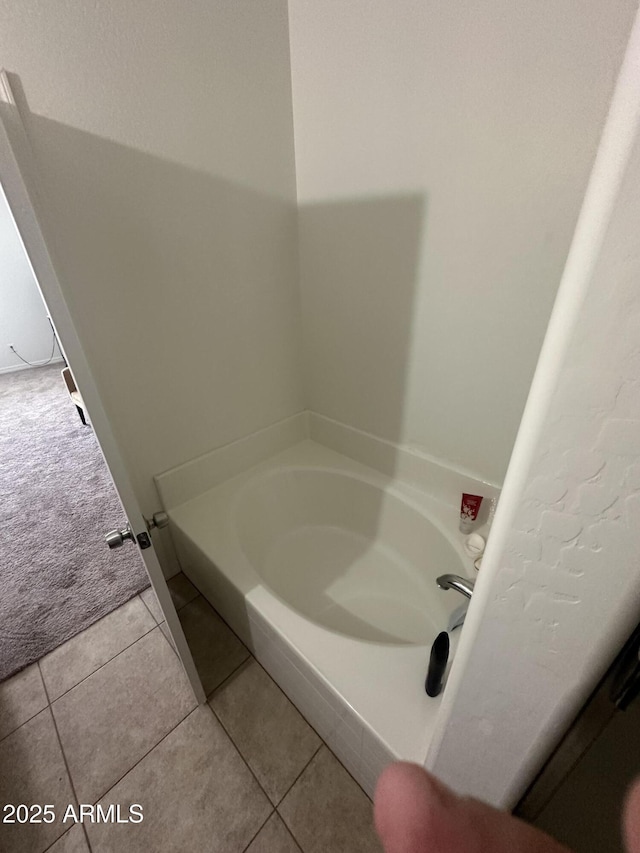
260,828
215,716
170,641
282,798
242,665
146,606
64,834
293,784
295,840
164,621
289,789
312,727
198,592
117,654
227,678
191,600
273,808
17,728
35,663
288,698
178,609
46,692
244,760
64,756
148,752
50,706
220,617
239,751
323,742
346,769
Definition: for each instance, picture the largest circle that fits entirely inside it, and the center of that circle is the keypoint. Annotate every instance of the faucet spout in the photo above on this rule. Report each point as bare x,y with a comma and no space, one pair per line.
463,585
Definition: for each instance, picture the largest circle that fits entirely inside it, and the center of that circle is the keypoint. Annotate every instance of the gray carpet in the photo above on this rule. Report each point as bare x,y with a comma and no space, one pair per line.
57,575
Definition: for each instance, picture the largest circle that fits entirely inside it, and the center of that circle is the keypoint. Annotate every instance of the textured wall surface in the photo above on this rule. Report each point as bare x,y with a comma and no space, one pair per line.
564,593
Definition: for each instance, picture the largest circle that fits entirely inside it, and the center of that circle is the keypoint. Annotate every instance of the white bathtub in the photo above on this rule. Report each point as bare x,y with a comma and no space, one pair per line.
327,570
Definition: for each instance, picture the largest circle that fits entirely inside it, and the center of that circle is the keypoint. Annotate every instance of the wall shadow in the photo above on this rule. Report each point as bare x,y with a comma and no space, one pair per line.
183,289
360,261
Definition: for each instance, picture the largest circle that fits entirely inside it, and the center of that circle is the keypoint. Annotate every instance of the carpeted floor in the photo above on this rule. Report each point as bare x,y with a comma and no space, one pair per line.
57,575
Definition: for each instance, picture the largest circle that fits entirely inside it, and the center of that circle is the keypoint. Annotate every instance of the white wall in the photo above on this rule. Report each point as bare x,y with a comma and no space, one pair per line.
23,316
442,151
163,133
559,589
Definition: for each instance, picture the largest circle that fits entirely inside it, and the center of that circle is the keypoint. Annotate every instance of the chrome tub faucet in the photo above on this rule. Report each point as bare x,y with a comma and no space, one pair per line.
463,585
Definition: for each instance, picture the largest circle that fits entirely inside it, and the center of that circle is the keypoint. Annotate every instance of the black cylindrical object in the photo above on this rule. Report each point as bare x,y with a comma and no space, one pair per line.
437,664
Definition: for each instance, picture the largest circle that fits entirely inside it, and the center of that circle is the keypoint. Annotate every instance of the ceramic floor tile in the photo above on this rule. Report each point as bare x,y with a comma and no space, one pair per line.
182,590
33,771
196,792
83,654
215,648
151,600
327,812
274,837
21,697
272,736
73,841
110,720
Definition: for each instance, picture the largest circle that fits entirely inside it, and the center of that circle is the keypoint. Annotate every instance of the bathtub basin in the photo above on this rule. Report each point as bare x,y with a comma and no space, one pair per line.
344,553
327,570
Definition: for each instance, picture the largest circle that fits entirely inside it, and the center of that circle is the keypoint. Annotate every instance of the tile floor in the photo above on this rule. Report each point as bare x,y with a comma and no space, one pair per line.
109,718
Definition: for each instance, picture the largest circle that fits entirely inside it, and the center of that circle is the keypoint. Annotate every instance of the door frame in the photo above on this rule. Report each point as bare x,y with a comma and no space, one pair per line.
23,190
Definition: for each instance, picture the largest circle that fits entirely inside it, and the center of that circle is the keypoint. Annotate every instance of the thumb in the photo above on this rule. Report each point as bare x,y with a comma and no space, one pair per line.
631,818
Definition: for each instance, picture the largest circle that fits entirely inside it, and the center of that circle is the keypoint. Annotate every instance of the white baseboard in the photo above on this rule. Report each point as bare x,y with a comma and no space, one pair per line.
14,368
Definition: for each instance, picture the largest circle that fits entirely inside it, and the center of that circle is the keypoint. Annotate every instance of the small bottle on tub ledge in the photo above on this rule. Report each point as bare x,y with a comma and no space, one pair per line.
469,512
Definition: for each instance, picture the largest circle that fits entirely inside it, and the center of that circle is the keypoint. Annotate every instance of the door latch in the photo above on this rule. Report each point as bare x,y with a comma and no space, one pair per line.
144,541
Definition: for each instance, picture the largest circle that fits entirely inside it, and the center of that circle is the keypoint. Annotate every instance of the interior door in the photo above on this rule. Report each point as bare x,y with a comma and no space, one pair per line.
20,183
577,796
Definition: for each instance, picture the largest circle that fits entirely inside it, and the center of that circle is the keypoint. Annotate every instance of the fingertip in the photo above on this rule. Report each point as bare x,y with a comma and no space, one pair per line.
404,803
403,774
415,813
631,817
